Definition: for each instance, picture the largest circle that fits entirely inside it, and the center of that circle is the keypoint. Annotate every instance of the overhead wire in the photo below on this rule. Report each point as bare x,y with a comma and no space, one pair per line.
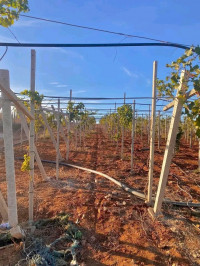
4,53
93,45
13,34
92,28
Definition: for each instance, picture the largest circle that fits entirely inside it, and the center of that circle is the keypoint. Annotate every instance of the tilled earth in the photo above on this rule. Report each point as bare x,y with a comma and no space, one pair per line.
116,226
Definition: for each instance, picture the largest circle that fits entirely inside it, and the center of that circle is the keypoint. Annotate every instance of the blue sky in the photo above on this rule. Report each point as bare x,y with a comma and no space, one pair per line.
103,72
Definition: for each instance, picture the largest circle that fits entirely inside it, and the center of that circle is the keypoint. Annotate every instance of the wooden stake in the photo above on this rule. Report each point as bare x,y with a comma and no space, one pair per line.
169,146
152,134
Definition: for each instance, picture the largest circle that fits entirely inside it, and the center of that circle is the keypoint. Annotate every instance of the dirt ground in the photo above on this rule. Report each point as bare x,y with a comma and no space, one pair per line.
116,226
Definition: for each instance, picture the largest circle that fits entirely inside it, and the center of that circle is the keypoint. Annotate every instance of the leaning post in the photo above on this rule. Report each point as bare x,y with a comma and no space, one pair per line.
152,134
169,146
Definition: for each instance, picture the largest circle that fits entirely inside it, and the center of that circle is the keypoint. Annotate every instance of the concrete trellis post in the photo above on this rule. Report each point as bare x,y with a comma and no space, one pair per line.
149,123
152,134
9,156
68,129
61,127
159,130
169,147
141,127
136,123
165,127
9,152
32,137
132,135
67,139
58,141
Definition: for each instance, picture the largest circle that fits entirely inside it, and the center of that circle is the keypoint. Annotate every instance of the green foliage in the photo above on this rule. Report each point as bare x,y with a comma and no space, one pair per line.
26,163
75,110
61,219
10,10
78,113
125,115
115,121
34,96
111,121
189,62
51,120
37,98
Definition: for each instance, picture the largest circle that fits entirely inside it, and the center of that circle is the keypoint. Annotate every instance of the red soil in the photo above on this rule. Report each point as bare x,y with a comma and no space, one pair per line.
116,226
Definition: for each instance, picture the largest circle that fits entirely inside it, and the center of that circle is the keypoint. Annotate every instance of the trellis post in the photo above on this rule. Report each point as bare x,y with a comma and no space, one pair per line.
68,129
152,134
132,135
9,156
58,140
169,147
32,137
166,127
159,130
61,126
141,127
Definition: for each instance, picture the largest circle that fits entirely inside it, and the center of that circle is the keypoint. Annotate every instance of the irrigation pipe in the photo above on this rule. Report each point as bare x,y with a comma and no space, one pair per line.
125,187
122,185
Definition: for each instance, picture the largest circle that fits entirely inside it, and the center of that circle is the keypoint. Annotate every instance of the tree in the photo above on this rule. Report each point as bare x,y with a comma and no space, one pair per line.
10,10
125,115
